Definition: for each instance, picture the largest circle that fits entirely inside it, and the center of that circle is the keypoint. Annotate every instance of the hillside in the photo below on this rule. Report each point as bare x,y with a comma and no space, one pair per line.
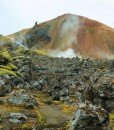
39,91
84,36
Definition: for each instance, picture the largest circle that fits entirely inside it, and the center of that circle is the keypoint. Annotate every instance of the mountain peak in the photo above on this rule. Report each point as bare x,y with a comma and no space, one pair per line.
86,37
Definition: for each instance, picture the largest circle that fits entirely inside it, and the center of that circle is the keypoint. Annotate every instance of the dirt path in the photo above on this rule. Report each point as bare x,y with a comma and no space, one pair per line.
54,115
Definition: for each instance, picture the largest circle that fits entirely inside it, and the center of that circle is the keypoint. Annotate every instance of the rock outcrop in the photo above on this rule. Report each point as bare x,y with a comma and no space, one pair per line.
17,118
89,117
22,98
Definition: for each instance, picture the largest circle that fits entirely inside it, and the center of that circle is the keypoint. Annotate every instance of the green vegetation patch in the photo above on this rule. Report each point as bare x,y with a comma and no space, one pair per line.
5,56
13,67
5,71
40,118
6,66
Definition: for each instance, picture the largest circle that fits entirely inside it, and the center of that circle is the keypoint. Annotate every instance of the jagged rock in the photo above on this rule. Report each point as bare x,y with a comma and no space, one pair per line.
60,94
17,118
48,102
79,96
89,117
19,82
98,90
0,119
109,104
22,98
5,85
104,92
38,85
66,80
1,101
48,129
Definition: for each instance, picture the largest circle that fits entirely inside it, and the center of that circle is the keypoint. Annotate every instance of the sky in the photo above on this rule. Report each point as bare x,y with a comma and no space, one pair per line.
19,14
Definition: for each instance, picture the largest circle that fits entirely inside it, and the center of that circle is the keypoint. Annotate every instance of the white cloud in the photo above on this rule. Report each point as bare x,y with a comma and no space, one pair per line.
19,14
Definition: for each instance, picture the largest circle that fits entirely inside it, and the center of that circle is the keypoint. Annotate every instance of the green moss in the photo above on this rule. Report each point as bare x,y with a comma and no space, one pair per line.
112,116
8,72
5,67
19,49
112,120
41,52
6,56
40,118
13,67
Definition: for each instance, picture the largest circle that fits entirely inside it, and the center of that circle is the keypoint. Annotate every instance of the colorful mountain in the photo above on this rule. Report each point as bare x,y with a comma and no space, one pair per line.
85,37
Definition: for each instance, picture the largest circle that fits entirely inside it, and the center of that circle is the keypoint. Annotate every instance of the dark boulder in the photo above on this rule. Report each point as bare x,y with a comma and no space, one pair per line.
5,85
17,118
22,98
89,117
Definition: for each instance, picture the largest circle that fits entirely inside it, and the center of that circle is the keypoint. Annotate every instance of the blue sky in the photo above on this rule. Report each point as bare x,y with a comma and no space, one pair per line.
18,14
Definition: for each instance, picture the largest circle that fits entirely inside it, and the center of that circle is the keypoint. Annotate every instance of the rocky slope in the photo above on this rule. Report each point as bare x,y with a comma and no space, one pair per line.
45,92
38,92
84,36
